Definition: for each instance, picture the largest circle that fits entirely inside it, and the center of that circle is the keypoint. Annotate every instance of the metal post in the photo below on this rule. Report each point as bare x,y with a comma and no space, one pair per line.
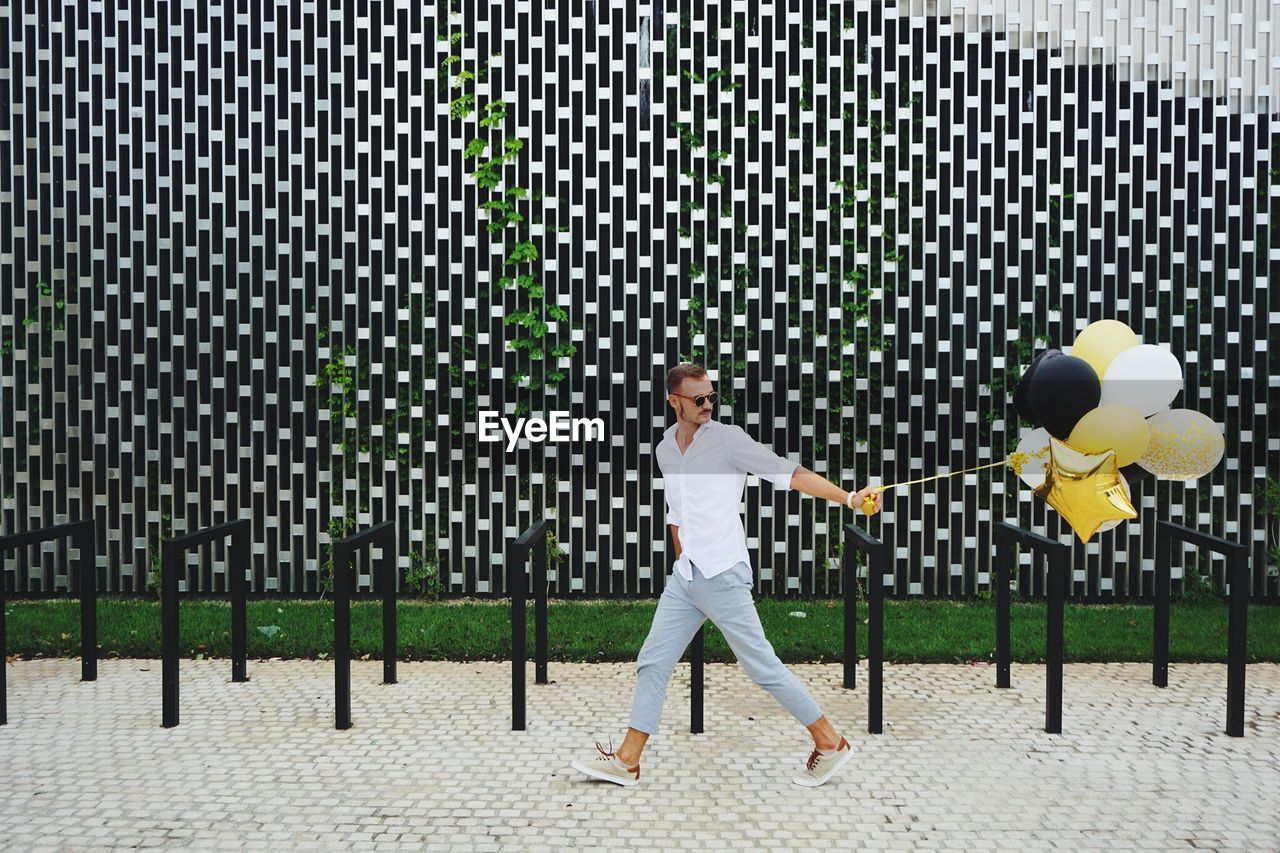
856,540
1057,589
848,572
1003,556
1058,556
171,562
695,683
875,641
1160,628
169,555
237,572
1237,638
387,581
1237,557
384,578
82,581
341,636
516,584
540,609
85,540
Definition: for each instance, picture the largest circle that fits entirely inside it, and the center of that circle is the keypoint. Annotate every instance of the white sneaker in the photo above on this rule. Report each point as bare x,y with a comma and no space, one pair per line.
606,766
821,766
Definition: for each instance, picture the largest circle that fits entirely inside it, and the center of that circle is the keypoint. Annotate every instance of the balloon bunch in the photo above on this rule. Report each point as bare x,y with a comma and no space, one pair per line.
1103,421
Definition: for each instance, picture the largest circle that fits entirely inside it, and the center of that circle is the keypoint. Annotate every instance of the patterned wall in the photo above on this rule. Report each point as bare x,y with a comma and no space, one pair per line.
270,260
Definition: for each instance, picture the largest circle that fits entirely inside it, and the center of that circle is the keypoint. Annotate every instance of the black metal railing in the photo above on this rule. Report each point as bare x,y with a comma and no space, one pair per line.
383,534
1237,614
85,581
517,555
858,541
697,651
238,560
1007,537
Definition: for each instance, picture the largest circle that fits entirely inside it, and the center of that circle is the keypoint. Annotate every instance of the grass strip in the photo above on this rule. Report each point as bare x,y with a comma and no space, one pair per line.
916,631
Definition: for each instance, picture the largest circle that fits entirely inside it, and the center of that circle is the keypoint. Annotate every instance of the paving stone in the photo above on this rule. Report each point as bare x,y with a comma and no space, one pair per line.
431,762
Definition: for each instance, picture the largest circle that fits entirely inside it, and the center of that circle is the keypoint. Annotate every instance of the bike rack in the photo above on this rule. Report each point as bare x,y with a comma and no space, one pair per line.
516,557
1238,614
857,540
696,651
1059,557
82,536
383,533
237,565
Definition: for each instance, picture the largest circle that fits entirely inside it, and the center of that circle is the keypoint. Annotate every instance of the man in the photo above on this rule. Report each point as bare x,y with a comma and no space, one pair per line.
704,464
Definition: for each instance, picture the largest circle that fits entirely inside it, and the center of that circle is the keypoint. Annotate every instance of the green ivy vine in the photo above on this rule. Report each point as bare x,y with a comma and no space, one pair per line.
494,151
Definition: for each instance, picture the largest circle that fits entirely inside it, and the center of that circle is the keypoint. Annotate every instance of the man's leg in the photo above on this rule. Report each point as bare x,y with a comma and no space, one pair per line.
730,606
732,609
675,622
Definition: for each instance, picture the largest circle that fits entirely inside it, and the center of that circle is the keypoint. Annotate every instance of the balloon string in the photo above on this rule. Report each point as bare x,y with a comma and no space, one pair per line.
1014,460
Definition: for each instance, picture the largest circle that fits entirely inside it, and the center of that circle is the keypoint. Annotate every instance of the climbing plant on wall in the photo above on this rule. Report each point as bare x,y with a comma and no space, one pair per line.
535,328
492,152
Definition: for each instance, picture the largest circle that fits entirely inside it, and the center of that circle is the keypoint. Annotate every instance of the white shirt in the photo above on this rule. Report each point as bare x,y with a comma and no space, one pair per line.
703,488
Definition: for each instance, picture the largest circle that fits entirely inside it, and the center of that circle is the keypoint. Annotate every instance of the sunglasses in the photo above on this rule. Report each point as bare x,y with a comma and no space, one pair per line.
701,398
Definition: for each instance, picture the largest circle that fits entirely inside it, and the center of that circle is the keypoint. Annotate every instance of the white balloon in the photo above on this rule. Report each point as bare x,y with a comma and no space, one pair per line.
1146,377
1034,441
1185,445
1113,523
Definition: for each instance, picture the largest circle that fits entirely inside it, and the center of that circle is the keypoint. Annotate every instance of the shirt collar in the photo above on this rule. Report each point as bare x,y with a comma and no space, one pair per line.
670,433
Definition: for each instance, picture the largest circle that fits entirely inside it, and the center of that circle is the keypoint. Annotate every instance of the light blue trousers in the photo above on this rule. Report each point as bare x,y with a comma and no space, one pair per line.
726,600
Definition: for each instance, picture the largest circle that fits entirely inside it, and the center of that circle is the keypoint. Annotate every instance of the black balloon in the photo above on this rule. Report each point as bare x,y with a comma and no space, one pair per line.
1063,390
1021,394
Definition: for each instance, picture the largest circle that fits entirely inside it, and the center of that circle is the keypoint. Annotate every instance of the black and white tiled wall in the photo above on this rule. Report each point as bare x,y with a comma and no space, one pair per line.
246,270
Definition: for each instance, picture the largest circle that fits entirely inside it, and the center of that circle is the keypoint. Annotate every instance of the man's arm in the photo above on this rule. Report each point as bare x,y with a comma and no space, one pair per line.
674,510
804,480
755,458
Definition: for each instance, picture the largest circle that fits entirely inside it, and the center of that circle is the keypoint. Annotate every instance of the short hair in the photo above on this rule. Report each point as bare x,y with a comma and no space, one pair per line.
679,373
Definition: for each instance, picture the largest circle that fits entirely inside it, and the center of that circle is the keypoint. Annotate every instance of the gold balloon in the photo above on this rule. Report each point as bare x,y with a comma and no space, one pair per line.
1114,426
1115,522
1099,343
1085,488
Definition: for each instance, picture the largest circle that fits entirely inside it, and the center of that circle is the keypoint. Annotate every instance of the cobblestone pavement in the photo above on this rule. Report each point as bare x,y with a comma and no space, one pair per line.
431,762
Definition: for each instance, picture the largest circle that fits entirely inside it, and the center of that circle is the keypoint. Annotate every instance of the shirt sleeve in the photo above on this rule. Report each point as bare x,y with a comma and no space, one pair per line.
675,511
673,507
755,458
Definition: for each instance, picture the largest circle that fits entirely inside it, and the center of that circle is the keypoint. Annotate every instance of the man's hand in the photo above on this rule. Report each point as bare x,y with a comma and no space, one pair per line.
866,492
804,480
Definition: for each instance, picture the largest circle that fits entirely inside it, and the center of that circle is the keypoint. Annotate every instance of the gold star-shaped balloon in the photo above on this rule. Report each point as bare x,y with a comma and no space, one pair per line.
1084,487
